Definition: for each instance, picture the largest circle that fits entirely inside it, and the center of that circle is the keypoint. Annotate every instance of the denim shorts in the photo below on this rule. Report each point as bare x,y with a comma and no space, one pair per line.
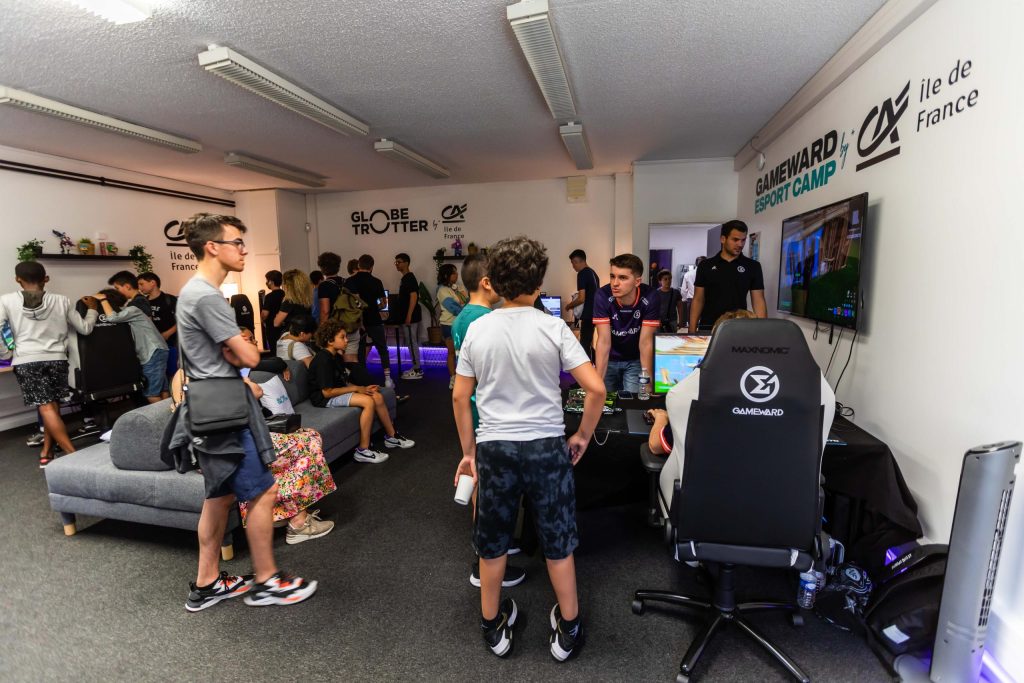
342,401
251,477
155,372
541,470
623,375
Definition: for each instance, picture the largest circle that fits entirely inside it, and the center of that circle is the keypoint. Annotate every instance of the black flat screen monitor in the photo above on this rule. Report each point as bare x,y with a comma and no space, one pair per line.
676,356
819,269
553,305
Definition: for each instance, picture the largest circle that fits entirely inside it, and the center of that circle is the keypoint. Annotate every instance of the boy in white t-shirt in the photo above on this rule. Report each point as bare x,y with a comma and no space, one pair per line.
514,358
295,344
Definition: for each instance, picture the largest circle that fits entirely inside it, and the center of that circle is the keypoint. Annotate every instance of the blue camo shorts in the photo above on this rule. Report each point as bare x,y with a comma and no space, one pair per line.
540,470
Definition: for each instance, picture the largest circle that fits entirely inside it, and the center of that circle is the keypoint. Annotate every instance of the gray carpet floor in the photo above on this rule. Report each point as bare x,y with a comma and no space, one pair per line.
394,601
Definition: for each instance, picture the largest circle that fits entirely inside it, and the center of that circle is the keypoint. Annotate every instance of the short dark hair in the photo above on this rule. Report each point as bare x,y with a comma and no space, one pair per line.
444,273
700,260
30,272
517,266
474,269
301,324
631,261
329,262
352,266
274,277
729,226
663,273
365,262
327,331
578,254
205,227
117,299
402,256
124,277
150,277
316,277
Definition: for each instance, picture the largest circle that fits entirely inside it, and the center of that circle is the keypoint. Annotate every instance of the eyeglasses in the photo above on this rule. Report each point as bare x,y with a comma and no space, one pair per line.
239,243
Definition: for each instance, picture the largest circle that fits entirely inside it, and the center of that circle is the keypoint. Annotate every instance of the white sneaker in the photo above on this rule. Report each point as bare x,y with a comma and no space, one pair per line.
388,382
451,383
398,441
413,373
314,527
370,456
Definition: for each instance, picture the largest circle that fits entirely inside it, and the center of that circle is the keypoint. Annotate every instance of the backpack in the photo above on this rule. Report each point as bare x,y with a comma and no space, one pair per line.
348,310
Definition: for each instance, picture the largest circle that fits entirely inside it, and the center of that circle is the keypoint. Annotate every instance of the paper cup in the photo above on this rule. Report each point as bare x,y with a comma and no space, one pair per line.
464,490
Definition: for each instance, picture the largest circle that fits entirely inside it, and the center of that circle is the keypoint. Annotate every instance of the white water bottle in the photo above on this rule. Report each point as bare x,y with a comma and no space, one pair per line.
645,385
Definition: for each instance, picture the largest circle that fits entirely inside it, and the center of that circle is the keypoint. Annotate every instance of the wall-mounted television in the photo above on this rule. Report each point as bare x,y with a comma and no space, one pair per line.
820,262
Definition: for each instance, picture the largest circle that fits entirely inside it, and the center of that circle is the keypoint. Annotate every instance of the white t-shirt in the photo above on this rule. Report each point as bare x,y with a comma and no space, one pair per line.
298,349
516,355
677,405
687,289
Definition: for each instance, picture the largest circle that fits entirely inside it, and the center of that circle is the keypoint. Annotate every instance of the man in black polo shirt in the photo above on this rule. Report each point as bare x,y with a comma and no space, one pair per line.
724,279
587,284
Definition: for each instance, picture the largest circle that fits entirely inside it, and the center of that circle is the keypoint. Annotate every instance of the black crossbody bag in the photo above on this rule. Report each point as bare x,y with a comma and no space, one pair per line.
216,404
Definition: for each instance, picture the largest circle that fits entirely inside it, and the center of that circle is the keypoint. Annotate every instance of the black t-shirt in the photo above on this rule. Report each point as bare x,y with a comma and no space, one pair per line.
369,289
292,309
272,304
326,371
667,301
588,281
164,308
142,303
409,286
726,285
329,289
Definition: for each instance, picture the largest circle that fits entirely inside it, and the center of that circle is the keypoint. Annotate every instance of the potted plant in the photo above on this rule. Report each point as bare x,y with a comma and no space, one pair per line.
471,248
438,261
86,247
30,251
142,259
427,299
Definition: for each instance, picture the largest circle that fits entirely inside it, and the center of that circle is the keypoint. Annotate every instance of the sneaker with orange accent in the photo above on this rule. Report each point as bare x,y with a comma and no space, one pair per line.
280,589
224,587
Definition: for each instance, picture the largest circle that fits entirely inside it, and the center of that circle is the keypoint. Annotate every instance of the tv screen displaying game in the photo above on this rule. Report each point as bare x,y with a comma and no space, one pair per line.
675,358
820,263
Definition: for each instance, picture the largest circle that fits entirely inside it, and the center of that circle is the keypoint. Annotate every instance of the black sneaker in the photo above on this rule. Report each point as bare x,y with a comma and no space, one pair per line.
513,576
223,588
499,638
563,642
280,589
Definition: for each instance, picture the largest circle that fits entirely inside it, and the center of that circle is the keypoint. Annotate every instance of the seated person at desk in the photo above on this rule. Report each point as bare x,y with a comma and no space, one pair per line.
295,345
670,424
329,388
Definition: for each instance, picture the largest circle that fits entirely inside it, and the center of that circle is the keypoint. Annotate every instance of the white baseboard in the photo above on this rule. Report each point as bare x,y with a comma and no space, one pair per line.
1004,641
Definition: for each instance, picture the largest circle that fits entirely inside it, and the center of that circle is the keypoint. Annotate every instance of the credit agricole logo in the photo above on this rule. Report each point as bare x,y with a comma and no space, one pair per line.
940,97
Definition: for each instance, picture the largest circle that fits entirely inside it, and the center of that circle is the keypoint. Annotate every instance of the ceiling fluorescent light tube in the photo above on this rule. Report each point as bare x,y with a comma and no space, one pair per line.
116,11
42,105
247,74
393,150
575,140
266,168
531,23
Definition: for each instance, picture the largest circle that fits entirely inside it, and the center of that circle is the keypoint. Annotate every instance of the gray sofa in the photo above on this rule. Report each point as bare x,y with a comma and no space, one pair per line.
127,480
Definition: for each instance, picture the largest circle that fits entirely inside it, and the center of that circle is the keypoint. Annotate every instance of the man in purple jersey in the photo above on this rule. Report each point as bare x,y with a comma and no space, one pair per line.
626,316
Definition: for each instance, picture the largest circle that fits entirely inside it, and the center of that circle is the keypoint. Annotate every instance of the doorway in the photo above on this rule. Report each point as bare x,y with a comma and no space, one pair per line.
676,246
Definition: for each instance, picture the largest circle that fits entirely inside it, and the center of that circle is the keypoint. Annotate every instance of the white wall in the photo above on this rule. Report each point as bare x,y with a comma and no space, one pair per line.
537,209
687,242
686,191
937,368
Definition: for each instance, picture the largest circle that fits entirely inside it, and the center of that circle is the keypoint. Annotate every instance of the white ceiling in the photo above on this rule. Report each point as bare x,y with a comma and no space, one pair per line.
654,79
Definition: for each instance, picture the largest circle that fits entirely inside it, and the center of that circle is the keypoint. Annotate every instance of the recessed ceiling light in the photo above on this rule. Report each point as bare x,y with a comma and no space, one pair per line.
393,150
43,105
266,168
117,11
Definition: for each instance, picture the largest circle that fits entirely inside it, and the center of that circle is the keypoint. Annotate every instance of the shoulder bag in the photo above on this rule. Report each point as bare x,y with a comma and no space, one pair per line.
216,404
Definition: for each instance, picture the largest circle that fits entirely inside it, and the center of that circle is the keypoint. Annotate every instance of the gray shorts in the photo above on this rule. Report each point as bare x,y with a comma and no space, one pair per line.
541,470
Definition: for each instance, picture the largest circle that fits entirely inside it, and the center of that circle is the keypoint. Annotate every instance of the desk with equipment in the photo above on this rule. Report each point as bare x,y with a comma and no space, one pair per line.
868,506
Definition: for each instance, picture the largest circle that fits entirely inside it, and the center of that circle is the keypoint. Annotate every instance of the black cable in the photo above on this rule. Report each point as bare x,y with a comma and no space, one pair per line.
834,349
848,356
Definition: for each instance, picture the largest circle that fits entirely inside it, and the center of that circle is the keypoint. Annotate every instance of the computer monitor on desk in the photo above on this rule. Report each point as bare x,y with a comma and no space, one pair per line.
553,304
675,358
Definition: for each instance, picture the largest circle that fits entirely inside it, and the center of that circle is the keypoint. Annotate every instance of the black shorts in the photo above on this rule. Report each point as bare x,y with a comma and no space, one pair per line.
42,382
542,471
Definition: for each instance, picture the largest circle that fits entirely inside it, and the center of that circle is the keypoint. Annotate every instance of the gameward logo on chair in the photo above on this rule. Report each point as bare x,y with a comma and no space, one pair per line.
759,384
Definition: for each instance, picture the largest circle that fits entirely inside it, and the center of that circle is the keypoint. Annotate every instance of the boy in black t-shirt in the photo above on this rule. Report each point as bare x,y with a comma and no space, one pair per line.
408,314
371,290
164,307
329,388
587,284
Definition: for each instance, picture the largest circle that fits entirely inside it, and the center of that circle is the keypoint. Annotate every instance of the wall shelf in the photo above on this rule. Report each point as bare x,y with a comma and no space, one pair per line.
82,257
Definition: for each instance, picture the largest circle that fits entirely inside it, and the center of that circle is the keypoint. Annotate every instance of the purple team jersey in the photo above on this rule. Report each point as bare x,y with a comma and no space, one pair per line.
626,321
